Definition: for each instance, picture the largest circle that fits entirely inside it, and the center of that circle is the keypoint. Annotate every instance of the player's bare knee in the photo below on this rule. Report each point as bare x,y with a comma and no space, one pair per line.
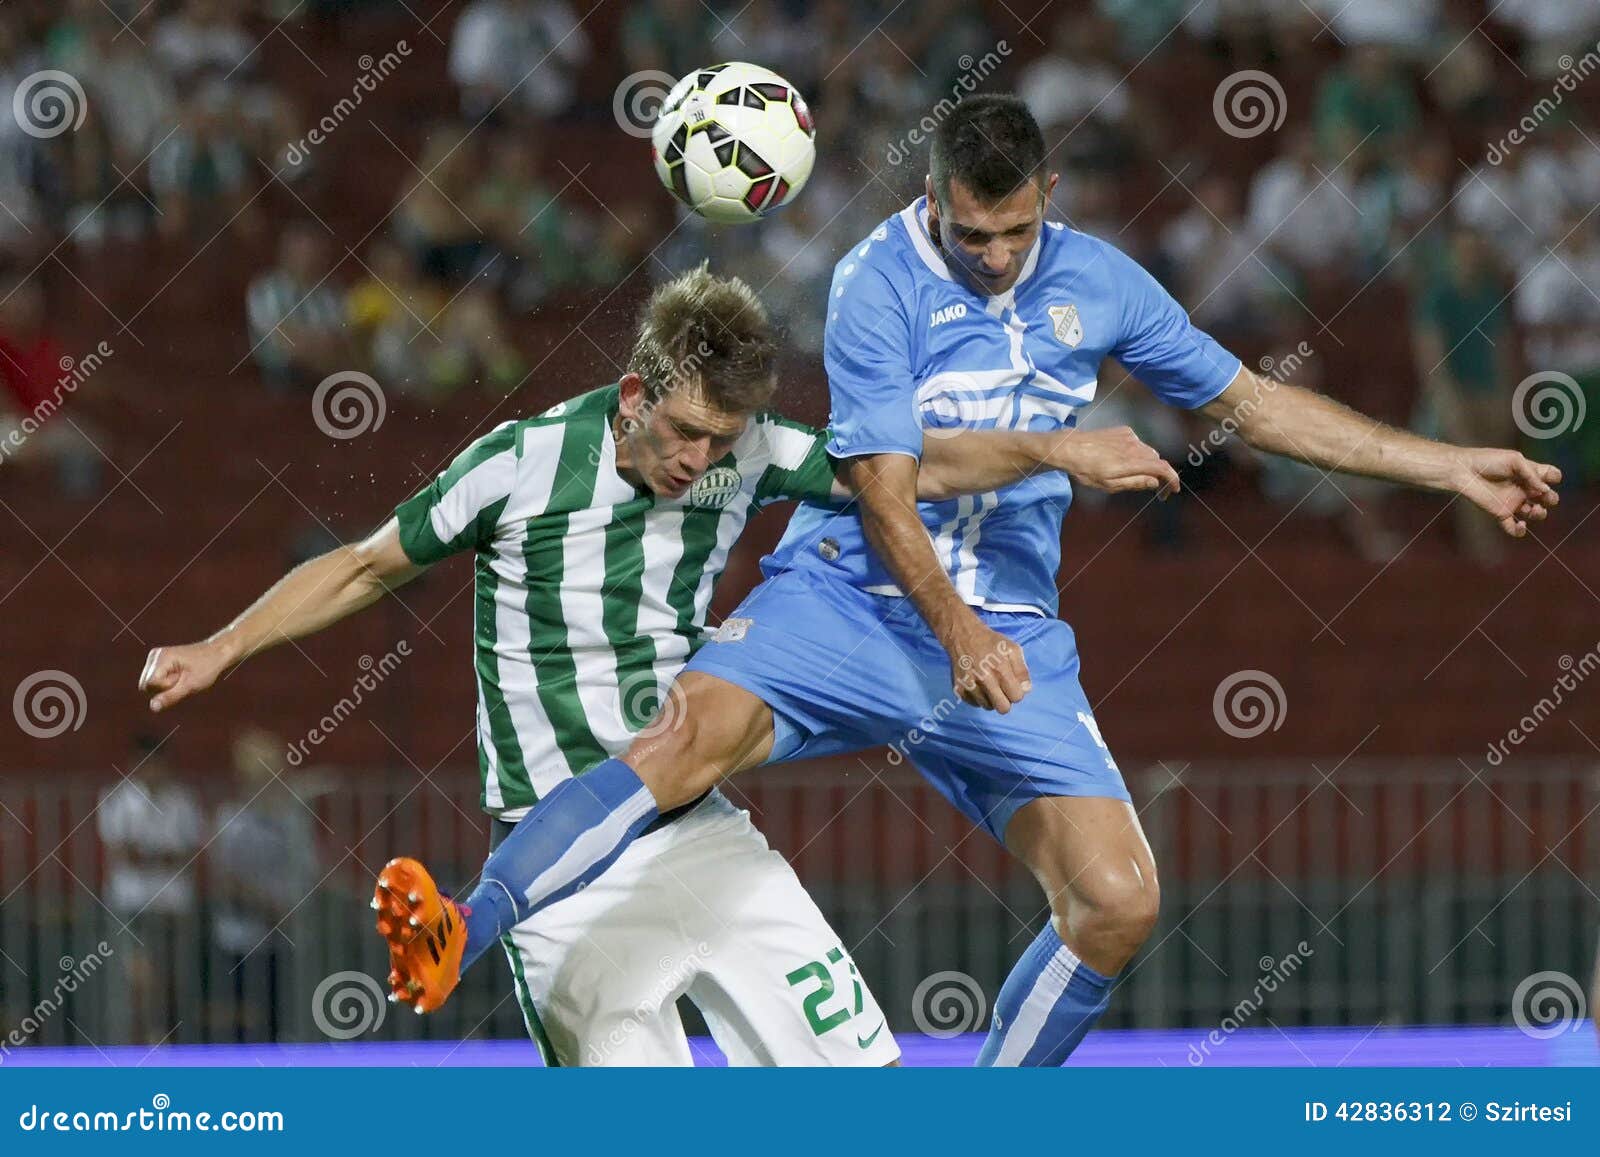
1106,916
672,761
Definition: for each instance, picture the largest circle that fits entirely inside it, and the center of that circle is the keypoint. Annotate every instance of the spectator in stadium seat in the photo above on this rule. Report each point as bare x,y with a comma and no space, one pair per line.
431,219
1550,29
425,339
1366,113
1302,213
36,386
263,856
1078,95
766,31
522,55
295,318
137,99
1501,200
1400,206
1461,341
1562,160
201,173
203,38
1408,29
667,35
1555,304
550,245
1210,255
151,827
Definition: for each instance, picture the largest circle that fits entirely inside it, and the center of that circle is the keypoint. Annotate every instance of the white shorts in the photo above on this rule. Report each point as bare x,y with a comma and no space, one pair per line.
701,908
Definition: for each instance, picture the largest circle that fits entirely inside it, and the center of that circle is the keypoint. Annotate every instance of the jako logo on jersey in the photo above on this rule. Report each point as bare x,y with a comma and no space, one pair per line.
1068,326
715,488
948,313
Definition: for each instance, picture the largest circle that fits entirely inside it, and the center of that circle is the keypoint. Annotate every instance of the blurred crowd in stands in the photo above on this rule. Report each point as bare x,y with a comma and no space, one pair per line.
1405,159
174,867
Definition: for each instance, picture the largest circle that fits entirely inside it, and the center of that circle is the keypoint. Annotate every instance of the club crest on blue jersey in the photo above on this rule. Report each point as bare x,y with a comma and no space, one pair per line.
1068,326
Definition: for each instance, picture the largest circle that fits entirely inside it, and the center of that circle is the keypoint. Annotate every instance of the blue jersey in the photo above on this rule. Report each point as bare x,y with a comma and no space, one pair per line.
912,352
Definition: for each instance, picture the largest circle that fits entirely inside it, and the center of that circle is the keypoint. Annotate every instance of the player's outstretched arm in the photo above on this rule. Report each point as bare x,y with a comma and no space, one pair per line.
978,461
314,595
1301,424
986,668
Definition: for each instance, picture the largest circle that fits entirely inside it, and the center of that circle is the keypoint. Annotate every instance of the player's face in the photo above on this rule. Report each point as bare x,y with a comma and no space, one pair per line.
671,442
987,244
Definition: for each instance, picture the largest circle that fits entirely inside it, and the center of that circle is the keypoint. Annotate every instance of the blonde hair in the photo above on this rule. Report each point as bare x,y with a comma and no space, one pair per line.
709,333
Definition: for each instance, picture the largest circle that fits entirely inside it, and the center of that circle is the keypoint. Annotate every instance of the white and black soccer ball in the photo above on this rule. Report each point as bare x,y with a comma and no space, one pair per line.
733,142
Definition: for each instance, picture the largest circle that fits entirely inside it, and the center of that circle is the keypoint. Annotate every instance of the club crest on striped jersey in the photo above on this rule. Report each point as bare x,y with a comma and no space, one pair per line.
1068,326
715,488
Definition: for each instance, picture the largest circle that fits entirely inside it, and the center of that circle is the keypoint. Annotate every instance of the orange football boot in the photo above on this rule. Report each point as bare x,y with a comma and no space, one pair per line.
425,932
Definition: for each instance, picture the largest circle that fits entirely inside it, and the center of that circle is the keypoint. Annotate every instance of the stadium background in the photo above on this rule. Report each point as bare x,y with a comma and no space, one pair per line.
1362,808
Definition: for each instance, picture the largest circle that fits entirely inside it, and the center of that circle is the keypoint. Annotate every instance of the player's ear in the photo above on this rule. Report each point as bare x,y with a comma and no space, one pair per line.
933,201
630,391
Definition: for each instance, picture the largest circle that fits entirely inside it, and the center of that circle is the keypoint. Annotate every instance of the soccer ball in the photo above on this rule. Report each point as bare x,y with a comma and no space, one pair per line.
733,142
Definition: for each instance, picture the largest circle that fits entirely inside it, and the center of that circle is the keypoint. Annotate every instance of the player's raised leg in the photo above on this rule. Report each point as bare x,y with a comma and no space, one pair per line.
1094,864
585,823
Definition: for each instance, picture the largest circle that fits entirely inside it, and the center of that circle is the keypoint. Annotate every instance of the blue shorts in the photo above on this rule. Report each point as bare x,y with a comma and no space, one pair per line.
843,670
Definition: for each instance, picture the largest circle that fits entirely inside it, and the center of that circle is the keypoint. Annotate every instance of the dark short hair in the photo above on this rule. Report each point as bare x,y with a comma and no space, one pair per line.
991,144
710,333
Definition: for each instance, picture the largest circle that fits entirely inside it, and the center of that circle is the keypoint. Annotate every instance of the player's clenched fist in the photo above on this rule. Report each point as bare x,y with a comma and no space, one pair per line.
987,668
175,673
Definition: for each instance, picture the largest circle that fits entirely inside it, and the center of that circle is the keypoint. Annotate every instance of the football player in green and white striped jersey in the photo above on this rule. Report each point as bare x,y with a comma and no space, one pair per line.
599,529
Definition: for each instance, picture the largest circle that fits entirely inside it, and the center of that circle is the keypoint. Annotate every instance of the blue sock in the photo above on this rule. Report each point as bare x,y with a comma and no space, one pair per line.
570,837
1046,1006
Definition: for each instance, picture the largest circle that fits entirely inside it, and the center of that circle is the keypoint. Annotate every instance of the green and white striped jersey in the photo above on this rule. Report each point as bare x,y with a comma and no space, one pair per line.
591,593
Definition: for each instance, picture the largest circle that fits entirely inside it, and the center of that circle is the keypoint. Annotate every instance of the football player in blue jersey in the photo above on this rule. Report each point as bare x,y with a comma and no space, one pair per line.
967,309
